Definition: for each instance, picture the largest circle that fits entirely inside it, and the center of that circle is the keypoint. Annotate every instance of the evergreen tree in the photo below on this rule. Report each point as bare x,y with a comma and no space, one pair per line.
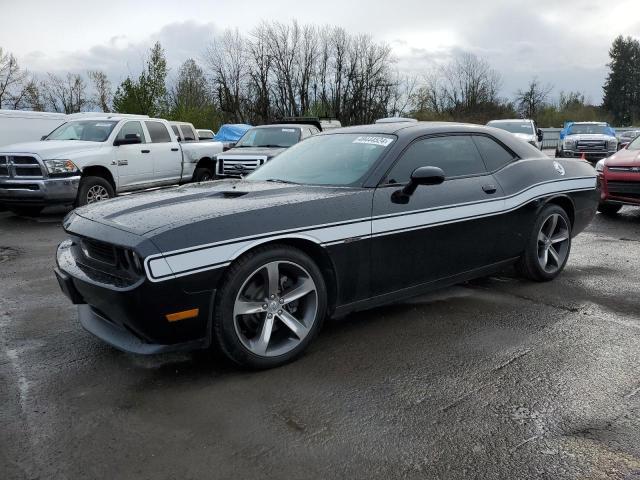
191,99
622,87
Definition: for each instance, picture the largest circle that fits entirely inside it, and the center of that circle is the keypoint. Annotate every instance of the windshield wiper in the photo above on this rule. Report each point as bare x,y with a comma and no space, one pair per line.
271,146
279,180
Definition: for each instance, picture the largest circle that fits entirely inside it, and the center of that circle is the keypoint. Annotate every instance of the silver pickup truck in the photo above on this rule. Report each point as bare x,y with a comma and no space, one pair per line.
95,158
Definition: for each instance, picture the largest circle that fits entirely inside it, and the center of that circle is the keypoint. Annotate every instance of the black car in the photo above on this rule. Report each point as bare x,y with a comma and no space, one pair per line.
342,221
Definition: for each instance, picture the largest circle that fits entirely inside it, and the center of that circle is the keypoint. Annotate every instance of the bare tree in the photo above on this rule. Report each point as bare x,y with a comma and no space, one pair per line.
67,94
102,90
530,101
12,80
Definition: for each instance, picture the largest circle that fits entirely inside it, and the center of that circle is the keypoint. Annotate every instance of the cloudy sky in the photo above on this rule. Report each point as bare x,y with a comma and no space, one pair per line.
563,43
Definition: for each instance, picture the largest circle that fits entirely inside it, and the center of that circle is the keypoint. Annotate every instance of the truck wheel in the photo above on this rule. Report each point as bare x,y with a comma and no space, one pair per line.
609,209
26,211
203,174
92,190
547,249
270,307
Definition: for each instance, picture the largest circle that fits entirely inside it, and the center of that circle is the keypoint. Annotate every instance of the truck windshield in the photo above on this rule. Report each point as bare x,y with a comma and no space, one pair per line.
270,137
635,145
87,130
586,129
513,127
340,159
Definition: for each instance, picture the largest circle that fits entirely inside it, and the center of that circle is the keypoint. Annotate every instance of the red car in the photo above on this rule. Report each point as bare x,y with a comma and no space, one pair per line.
619,177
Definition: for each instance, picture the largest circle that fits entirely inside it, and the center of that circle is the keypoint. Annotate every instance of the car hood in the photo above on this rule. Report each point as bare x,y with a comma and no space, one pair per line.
152,213
51,148
251,151
593,136
624,158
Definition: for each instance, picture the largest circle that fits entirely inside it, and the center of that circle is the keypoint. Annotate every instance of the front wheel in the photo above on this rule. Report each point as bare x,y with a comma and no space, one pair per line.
548,247
609,209
270,307
92,190
203,174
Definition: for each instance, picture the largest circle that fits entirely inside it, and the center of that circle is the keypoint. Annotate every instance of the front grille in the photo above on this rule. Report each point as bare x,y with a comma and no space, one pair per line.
624,169
238,167
591,146
624,189
100,251
17,166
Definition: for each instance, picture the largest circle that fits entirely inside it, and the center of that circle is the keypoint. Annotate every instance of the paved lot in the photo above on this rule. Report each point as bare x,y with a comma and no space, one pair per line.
500,378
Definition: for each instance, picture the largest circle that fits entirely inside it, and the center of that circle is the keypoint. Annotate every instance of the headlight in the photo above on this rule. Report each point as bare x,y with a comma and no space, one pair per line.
61,168
569,143
600,166
613,144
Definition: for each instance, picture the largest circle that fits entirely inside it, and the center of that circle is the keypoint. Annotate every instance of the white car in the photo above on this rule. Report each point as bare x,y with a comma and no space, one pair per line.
523,129
96,157
591,140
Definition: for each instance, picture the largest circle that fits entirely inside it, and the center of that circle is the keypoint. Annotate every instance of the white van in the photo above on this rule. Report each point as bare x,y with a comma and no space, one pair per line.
17,126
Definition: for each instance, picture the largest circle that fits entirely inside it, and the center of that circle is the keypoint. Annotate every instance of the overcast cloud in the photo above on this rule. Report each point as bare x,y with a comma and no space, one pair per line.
562,43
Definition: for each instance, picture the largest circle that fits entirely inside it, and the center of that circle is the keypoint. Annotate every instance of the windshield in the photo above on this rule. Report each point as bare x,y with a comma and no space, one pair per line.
586,129
513,127
635,145
339,159
87,130
270,137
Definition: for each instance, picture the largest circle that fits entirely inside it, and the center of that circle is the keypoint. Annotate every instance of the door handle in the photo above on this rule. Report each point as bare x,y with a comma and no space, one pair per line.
489,189
145,151
175,149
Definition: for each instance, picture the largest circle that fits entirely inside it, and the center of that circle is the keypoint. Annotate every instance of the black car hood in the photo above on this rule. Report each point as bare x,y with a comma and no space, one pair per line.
257,151
162,210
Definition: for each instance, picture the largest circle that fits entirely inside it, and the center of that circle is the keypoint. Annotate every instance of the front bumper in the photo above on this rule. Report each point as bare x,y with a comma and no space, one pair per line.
133,316
597,155
39,191
621,189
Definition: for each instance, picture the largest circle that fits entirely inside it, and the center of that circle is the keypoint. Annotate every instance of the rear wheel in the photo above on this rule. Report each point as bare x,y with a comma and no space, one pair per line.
203,174
548,247
26,211
94,189
609,209
270,307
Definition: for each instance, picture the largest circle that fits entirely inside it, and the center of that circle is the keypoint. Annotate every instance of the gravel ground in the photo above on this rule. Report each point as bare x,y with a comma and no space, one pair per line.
498,378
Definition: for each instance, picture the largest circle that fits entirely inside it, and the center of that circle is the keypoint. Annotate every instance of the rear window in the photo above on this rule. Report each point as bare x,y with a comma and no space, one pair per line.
158,132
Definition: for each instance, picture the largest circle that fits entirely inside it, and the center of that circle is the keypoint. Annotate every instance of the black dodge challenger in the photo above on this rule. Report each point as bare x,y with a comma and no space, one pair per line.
340,222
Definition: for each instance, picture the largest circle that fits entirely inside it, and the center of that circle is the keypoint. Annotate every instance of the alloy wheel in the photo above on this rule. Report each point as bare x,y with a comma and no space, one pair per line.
553,243
275,308
97,193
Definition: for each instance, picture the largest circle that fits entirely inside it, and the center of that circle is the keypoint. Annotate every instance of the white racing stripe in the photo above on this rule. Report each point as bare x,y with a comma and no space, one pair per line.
216,255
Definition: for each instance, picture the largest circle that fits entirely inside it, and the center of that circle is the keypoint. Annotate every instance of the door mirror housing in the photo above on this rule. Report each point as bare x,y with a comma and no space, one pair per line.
420,176
540,135
129,139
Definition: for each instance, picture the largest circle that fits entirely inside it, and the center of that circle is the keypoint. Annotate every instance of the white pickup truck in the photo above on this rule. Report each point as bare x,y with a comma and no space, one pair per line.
94,158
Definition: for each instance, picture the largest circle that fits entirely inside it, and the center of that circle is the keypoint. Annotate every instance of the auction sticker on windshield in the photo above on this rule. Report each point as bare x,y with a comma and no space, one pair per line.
382,141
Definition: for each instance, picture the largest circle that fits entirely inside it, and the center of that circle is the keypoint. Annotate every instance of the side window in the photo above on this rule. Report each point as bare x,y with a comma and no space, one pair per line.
176,131
131,128
158,132
187,133
456,155
495,155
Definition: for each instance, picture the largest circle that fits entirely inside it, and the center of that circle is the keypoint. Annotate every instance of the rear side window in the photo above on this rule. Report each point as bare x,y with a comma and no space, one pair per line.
495,155
175,130
187,133
456,155
131,128
158,132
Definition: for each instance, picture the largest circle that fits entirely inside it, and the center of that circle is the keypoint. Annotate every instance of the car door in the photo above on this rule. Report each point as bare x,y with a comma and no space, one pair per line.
133,163
165,151
443,230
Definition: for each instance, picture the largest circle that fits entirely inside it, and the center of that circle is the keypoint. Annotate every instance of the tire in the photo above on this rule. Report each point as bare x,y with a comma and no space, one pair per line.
547,249
557,153
203,174
609,209
26,211
246,286
92,190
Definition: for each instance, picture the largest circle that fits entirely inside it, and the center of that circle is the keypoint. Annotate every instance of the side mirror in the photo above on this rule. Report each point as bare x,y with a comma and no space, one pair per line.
540,135
420,176
129,139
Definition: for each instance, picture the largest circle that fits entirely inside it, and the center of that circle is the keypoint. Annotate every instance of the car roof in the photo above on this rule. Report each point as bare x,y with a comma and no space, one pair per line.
285,125
411,128
523,120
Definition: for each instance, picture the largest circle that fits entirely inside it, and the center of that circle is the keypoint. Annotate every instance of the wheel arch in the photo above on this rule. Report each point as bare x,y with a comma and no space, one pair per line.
565,202
99,171
311,247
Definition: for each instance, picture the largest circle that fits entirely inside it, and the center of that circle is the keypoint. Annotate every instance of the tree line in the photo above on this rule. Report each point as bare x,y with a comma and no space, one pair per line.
287,69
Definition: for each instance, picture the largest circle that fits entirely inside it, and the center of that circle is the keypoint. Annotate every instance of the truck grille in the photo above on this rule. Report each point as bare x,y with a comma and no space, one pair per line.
20,166
591,145
624,189
240,167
